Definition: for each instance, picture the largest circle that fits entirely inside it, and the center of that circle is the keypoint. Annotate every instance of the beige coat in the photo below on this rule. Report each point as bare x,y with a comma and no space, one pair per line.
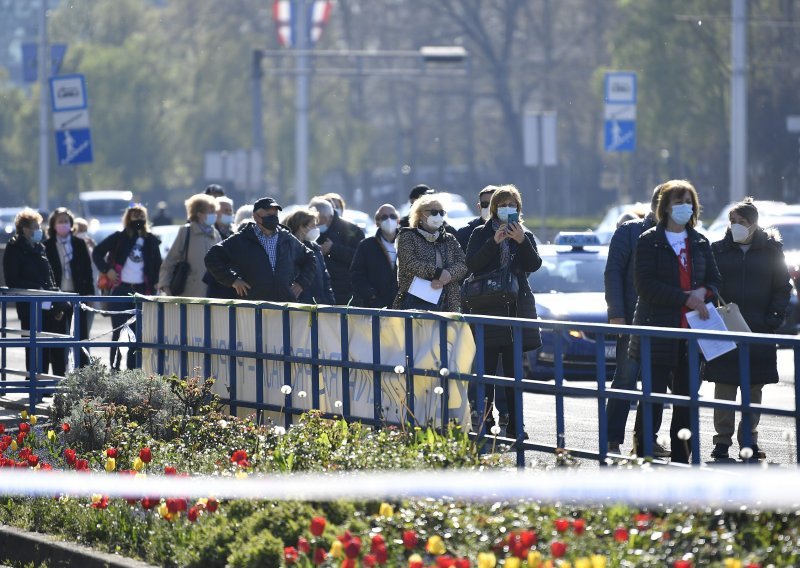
199,244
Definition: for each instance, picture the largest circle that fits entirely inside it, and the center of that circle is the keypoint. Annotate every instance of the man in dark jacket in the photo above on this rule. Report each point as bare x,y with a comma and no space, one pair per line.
263,260
621,301
464,233
338,240
374,268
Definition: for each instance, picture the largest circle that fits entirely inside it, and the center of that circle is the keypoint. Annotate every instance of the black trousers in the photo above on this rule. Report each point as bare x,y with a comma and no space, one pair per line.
51,357
491,357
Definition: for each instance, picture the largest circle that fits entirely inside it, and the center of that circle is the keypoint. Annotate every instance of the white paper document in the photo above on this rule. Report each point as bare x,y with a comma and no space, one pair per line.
423,290
711,348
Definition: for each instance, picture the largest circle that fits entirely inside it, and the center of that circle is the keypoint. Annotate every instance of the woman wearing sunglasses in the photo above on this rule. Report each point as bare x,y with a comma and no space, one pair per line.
426,251
374,268
503,242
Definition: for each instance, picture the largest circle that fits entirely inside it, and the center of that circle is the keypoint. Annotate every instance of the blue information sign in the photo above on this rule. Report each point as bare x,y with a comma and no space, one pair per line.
620,135
74,146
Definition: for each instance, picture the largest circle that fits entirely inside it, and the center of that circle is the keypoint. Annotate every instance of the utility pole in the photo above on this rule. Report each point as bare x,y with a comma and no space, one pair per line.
738,152
43,61
301,42
258,122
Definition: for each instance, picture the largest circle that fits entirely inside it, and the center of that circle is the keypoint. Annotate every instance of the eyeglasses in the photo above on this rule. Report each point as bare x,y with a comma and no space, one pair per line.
441,212
484,205
389,216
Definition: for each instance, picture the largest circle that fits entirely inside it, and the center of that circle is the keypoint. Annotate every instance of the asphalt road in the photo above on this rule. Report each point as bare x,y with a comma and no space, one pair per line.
581,414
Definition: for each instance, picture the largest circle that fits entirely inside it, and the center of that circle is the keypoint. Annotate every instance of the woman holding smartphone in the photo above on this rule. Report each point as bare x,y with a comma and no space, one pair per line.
503,242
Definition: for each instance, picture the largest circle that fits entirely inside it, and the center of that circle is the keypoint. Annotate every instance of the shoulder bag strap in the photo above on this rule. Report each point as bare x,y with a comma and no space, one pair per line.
188,227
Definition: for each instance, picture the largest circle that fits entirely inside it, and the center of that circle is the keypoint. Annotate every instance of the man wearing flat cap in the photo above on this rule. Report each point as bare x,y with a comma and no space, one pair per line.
263,260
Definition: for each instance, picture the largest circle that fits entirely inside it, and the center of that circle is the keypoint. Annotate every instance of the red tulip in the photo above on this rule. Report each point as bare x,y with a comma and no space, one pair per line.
682,564
2,428
192,514
212,505
416,564
238,456
290,555
112,453
621,534
558,549
642,520
81,465
462,563
24,427
369,561
410,539
349,563
561,525
579,526
169,470
33,460
102,503
65,428
376,542
381,554
303,545
21,438
445,561
352,547
150,502
146,455
345,537
317,526
319,556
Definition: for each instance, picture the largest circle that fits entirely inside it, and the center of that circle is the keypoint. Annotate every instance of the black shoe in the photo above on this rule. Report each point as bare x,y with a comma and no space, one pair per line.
720,452
757,456
503,419
613,448
511,432
659,451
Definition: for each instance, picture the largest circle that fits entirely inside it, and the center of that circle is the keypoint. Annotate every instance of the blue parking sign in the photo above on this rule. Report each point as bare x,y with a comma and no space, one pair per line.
620,135
74,146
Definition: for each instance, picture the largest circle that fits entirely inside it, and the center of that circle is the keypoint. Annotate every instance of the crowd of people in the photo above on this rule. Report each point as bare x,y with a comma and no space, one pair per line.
659,268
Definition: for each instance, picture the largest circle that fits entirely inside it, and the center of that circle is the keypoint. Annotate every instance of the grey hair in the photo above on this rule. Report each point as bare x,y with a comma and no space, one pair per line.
322,205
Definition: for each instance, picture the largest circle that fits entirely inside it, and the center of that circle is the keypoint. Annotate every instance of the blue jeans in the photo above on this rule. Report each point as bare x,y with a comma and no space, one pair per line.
625,376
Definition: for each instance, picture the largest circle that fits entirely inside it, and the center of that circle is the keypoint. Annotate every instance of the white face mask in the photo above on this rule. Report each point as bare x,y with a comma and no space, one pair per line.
486,213
504,212
389,226
740,233
312,234
681,213
435,221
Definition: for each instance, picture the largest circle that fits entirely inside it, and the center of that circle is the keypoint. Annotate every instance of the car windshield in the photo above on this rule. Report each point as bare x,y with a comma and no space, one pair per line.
105,207
570,272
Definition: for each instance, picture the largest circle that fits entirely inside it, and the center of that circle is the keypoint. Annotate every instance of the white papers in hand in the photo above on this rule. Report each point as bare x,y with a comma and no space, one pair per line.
711,348
423,290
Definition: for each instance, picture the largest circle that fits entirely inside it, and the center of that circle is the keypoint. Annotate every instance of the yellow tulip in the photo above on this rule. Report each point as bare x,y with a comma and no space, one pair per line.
241,474
583,563
414,560
164,511
732,563
138,464
51,435
598,561
33,420
13,445
96,498
565,564
487,560
111,464
24,414
386,510
337,549
535,559
436,545
512,562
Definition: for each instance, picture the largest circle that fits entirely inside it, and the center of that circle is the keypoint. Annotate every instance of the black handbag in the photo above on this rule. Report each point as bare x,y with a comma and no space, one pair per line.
491,290
180,273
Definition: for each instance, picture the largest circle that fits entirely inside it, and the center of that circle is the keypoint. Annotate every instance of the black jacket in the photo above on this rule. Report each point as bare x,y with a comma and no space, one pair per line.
320,291
661,298
758,282
483,255
345,236
25,265
619,274
465,232
80,265
242,256
114,250
374,276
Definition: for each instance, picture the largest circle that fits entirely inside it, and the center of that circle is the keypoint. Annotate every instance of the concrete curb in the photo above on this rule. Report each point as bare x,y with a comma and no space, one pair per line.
21,546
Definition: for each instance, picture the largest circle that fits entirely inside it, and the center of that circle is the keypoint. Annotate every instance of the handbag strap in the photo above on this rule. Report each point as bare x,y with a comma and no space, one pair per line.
188,228
720,302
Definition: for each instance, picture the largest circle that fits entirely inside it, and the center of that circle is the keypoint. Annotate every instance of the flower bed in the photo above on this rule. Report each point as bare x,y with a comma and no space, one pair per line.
175,428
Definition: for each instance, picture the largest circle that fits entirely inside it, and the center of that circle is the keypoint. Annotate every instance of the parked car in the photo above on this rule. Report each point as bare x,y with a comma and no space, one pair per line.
167,234
103,211
7,216
570,287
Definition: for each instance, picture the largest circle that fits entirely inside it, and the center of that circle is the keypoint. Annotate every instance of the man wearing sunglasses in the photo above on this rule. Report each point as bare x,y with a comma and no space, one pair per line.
465,232
374,268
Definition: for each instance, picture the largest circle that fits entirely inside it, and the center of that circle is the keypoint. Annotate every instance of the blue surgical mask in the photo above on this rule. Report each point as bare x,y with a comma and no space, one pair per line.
225,219
681,213
37,235
211,218
504,212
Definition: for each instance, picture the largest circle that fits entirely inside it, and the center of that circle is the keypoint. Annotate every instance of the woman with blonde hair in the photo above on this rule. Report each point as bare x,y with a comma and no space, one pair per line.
427,251
303,225
201,236
504,242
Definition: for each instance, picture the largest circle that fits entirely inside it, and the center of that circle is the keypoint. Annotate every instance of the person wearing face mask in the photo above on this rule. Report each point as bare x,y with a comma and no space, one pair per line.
465,232
427,251
201,210
754,277
504,243
224,217
374,268
338,240
72,270
263,260
25,265
303,225
131,260
675,272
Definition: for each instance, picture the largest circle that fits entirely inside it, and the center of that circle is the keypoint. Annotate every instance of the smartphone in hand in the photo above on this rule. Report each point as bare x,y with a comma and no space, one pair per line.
513,218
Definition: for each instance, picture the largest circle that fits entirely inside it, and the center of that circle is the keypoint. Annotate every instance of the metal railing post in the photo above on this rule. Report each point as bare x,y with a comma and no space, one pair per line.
694,398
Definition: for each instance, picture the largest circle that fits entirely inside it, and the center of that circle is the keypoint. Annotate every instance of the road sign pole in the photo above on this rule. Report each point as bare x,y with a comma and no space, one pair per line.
301,126
43,59
542,176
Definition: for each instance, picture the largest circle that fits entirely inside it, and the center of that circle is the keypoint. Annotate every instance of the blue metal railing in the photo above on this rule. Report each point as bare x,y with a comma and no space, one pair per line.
39,386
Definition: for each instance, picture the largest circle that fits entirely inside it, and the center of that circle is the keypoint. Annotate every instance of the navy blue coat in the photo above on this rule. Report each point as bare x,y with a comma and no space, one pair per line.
320,291
465,232
242,256
374,276
619,274
345,236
